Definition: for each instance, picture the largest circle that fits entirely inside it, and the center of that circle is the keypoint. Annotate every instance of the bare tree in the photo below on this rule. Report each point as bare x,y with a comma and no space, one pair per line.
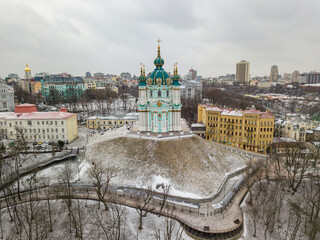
173,231
101,180
165,193
293,161
143,203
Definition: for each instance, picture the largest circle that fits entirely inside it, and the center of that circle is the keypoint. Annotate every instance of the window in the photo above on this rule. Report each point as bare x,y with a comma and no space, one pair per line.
62,129
62,122
42,122
168,93
159,93
150,93
56,129
55,122
10,125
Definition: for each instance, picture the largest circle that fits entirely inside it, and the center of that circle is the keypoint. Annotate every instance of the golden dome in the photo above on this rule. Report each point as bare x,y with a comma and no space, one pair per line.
27,69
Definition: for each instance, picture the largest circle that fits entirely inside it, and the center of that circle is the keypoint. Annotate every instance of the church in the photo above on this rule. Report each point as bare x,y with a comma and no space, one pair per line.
159,103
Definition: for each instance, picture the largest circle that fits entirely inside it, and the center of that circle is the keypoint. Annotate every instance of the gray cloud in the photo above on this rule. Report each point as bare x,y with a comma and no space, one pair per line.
114,36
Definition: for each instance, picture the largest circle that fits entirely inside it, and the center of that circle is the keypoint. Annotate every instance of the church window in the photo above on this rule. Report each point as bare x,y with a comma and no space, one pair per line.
159,93
168,93
150,93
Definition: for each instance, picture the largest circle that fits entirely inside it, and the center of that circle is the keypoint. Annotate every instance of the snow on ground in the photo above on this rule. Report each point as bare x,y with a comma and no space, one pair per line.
193,166
89,215
160,183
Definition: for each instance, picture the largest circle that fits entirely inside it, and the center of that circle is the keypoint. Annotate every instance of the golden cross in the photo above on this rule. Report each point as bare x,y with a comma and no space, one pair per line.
176,64
141,64
158,42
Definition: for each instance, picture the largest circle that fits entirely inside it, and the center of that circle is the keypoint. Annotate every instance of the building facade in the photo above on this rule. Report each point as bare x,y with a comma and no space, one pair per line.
298,129
110,122
249,129
62,88
191,89
243,72
159,103
6,98
313,77
36,126
274,73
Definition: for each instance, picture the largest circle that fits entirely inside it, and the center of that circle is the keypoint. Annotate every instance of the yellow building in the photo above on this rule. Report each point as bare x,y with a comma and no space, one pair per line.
111,121
90,84
30,86
36,126
249,129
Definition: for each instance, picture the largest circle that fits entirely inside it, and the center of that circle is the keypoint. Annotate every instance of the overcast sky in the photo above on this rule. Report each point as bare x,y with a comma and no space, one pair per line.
76,36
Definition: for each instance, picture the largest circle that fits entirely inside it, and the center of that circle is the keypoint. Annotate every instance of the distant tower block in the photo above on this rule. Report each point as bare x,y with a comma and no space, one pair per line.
242,72
274,73
27,73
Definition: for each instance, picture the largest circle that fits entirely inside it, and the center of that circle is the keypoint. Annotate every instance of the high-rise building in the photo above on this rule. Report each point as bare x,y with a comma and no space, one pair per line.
295,75
192,74
274,73
159,103
27,73
243,71
313,77
88,75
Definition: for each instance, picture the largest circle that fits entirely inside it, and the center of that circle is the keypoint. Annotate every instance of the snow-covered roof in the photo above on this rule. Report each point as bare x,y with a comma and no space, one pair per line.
316,129
283,139
237,113
35,115
92,118
197,125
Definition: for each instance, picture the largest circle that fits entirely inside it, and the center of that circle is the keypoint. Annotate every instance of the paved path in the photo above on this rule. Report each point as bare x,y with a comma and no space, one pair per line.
184,213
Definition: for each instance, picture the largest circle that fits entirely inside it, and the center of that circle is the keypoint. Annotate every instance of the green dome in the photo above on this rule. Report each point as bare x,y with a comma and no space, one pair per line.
142,78
158,73
175,78
159,62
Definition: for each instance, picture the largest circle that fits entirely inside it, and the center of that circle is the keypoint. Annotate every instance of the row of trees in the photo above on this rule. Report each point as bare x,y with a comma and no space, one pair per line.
37,219
284,202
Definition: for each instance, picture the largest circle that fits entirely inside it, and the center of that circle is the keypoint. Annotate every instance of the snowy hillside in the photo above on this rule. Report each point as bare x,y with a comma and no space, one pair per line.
193,166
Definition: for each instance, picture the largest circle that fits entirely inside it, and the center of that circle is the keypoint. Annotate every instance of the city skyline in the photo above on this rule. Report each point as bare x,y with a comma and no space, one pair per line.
113,37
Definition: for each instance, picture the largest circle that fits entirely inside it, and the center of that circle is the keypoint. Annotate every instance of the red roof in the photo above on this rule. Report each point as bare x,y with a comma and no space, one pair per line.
36,115
25,108
29,111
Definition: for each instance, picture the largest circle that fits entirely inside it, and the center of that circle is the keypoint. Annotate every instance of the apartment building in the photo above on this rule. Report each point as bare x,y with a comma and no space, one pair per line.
109,122
36,126
247,129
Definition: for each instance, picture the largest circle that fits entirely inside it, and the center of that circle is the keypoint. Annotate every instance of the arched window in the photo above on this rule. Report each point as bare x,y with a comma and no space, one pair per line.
168,93
150,93
159,93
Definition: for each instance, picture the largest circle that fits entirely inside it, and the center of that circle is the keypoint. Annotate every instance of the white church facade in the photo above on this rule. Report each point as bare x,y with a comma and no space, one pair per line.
159,103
